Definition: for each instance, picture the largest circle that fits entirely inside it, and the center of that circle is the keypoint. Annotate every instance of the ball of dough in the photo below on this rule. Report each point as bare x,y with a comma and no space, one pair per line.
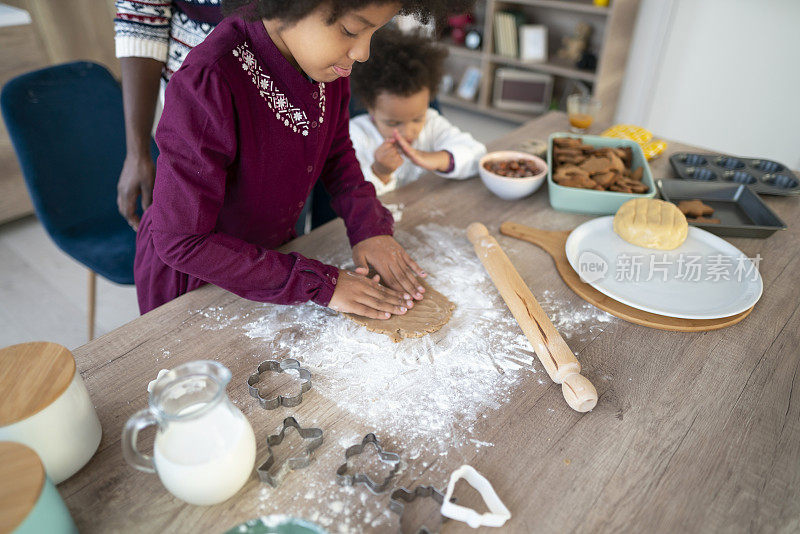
651,223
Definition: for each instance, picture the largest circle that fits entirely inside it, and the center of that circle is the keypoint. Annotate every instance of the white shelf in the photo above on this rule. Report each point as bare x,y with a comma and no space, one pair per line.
564,5
462,51
547,67
515,117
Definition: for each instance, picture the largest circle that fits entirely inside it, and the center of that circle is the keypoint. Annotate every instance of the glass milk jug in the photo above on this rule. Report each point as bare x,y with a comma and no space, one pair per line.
205,448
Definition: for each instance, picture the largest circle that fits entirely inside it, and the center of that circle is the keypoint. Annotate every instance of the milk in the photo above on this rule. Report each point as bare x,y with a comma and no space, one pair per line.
206,459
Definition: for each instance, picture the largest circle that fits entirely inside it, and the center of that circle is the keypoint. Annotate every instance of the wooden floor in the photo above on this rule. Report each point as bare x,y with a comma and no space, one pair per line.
43,291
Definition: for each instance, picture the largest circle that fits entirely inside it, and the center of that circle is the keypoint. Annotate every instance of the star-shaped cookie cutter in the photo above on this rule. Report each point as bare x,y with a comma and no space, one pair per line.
275,366
362,478
399,495
314,437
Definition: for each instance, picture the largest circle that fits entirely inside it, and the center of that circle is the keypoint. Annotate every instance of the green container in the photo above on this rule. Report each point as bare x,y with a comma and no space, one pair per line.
29,502
590,201
49,515
277,524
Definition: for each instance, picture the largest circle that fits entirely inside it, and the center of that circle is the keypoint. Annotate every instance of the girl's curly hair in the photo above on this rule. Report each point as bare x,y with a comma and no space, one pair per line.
293,10
399,64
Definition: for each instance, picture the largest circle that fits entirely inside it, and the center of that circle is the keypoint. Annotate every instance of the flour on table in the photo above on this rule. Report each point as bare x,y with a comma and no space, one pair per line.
575,319
396,211
217,313
429,390
426,397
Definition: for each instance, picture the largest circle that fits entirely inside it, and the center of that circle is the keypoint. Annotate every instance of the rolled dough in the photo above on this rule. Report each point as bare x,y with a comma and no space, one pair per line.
427,316
651,223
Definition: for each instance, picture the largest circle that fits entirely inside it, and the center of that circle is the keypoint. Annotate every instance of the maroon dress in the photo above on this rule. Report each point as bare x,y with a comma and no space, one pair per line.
243,138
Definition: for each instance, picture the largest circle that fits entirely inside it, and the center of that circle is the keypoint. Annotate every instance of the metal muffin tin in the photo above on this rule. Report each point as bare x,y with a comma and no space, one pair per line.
762,175
741,212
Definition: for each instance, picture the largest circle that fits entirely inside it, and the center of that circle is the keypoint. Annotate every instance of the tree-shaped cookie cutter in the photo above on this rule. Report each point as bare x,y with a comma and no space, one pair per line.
312,438
400,496
362,478
275,366
497,515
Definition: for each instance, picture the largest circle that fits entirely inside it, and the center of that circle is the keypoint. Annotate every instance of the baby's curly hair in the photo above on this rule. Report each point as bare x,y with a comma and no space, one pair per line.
399,64
293,10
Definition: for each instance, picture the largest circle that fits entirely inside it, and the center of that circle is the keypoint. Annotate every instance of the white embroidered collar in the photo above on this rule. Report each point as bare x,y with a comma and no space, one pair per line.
292,116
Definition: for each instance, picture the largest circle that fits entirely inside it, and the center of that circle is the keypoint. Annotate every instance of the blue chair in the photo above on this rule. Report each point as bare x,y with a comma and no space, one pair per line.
67,127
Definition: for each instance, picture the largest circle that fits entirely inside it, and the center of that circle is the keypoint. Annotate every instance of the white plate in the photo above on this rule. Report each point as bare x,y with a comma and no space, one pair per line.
705,278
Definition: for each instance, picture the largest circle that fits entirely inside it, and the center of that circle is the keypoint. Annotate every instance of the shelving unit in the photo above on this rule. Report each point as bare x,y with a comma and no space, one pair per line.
613,30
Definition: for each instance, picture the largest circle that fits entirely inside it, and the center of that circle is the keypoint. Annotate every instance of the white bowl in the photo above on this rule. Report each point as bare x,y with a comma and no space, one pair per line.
512,188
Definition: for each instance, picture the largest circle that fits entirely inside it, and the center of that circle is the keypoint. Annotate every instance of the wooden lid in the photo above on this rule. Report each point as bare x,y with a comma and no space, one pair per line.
21,483
32,376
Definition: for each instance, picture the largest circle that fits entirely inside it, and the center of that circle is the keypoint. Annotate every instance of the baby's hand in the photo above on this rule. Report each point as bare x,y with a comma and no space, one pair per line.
355,293
387,160
392,263
432,161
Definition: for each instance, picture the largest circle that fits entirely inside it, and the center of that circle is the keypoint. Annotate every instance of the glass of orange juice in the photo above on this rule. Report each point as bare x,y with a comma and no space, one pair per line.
581,110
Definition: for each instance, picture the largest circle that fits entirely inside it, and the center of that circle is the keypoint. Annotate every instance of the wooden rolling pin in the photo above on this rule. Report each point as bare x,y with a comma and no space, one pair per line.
554,353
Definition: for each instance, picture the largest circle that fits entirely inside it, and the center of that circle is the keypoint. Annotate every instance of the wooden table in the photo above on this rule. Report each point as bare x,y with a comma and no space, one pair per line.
692,432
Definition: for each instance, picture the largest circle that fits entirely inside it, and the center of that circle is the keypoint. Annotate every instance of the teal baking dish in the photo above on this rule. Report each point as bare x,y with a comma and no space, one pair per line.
590,201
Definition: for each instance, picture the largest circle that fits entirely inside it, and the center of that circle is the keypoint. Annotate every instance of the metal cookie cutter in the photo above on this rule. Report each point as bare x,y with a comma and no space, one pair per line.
279,367
399,495
362,478
313,437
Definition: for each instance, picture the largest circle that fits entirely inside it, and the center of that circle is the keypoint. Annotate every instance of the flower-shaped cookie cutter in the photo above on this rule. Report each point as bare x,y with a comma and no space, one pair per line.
275,366
362,478
312,439
400,496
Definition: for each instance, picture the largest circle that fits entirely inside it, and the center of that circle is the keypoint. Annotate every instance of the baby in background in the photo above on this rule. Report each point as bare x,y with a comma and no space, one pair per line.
401,137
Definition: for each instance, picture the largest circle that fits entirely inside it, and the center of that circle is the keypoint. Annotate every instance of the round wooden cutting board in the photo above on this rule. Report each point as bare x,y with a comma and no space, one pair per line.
554,243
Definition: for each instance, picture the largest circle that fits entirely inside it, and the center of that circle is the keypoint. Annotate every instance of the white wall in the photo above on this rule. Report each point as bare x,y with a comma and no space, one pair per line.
722,74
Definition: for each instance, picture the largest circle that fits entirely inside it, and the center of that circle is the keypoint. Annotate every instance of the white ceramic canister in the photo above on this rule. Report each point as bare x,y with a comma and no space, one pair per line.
45,405
205,448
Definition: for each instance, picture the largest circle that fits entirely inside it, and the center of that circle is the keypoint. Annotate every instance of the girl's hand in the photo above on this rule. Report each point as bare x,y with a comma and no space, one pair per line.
355,293
433,161
387,160
392,263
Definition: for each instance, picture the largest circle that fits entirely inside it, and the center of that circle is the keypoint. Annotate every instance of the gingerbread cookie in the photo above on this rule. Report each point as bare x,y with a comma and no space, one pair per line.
576,164
595,164
565,142
605,179
694,208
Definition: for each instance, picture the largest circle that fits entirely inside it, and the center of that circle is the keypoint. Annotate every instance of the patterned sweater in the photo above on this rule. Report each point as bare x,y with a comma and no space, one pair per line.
243,138
162,29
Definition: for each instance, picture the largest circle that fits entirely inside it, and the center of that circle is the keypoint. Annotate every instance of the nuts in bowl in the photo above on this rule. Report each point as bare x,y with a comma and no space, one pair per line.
512,168
512,175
